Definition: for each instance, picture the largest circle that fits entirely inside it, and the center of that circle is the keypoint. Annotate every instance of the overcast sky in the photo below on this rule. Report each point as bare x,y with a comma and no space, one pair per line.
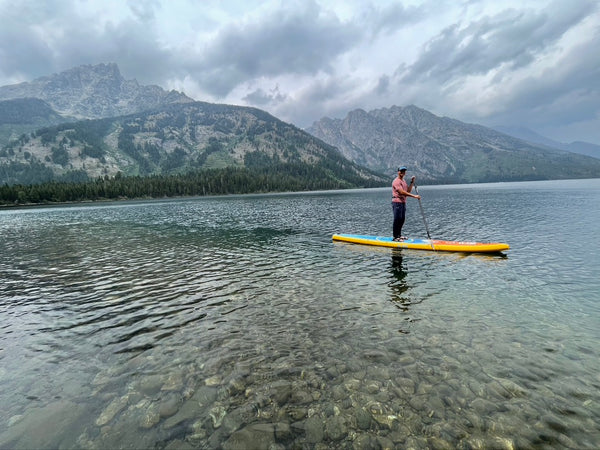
532,63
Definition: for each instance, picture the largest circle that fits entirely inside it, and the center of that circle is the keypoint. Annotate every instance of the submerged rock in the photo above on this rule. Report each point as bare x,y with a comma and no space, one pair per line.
213,381
386,420
174,382
188,411
363,419
217,414
150,385
52,426
283,431
365,442
150,416
113,408
314,430
280,391
169,406
205,395
336,428
15,419
259,436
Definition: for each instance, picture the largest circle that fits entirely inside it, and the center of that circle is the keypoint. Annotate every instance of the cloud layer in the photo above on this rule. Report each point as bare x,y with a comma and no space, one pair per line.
533,64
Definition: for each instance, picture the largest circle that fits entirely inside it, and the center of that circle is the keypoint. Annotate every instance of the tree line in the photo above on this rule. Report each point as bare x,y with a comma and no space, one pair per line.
231,180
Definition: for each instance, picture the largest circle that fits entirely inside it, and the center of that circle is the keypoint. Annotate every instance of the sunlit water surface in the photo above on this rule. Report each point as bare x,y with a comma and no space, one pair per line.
236,322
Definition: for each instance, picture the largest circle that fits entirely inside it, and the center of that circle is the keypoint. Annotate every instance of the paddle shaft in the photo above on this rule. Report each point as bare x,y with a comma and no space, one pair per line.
424,219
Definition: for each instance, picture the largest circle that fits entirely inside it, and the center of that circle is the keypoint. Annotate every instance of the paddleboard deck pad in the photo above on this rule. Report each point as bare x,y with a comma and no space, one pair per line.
424,244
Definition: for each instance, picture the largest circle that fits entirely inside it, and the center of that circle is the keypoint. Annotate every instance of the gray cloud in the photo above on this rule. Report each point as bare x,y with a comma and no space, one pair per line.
512,38
24,51
304,60
260,97
69,40
319,98
144,10
383,85
567,93
391,17
299,41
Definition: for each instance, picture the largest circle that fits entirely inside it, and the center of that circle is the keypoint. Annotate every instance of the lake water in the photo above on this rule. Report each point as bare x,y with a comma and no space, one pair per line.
236,322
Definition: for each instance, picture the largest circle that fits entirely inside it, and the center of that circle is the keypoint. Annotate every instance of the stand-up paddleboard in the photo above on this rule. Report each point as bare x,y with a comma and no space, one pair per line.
424,244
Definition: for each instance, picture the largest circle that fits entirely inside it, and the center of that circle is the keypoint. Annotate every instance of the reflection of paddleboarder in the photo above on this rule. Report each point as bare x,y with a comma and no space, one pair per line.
398,271
398,284
400,190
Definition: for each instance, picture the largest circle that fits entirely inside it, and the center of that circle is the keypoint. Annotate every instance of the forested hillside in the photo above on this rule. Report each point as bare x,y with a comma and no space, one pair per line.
174,139
182,149
22,116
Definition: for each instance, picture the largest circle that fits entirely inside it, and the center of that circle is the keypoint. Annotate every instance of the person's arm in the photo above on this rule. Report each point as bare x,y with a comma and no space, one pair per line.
408,194
410,186
412,183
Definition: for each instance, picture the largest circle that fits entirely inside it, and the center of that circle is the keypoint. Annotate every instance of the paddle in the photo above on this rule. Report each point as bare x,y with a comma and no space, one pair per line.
424,220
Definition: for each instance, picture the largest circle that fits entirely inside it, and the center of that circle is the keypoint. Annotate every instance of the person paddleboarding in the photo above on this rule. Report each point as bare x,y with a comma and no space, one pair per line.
400,190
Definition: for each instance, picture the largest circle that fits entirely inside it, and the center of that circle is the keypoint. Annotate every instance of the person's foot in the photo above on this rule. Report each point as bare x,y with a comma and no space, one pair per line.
398,239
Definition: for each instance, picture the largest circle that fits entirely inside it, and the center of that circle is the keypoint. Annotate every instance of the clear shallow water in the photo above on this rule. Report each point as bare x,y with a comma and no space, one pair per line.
201,323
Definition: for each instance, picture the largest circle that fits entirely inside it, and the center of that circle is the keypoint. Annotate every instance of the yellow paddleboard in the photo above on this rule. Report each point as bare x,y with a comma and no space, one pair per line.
424,244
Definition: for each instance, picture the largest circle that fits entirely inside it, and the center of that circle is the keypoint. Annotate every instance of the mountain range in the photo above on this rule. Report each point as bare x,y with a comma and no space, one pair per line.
445,150
584,148
90,122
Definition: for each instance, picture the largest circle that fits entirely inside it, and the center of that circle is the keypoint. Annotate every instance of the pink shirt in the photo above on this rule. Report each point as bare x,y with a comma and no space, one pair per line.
396,186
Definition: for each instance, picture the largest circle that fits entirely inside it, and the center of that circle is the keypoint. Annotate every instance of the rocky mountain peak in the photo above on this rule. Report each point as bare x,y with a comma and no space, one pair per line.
410,115
85,75
93,92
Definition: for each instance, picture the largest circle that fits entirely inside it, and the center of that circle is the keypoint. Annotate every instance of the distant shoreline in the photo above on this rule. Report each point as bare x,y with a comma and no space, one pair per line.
9,206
